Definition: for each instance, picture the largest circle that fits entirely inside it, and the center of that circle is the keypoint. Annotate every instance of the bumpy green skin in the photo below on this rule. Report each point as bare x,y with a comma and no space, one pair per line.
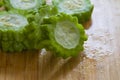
42,17
9,6
45,12
56,47
12,46
32,36
18,39
84,13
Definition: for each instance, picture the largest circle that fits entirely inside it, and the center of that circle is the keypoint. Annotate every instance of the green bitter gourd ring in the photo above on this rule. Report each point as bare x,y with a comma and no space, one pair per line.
23,4
80,8
18,32
66,35
12,27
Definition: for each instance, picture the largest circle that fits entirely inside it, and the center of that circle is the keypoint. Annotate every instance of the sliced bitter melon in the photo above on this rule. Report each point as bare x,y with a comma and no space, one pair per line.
25,5
17,31
11,26
80,8
65,36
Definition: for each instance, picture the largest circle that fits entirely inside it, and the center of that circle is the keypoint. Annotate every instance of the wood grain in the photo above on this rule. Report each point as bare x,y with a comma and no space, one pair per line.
33,66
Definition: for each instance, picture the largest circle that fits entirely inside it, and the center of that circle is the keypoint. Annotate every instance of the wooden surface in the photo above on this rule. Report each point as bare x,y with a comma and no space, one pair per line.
33,66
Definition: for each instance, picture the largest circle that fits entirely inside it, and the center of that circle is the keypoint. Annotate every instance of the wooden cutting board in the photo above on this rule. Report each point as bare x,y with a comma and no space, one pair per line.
102,50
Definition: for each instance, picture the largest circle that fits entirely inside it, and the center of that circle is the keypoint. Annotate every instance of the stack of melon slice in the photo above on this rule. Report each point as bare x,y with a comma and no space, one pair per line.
33,25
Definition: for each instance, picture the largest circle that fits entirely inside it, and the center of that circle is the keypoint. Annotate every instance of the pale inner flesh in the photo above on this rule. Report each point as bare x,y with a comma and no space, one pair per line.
23,4
12,20
66,34
71,5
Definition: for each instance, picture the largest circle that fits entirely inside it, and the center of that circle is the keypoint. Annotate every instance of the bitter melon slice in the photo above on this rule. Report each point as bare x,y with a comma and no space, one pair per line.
18,30
65,36
11,26
80,8
24,5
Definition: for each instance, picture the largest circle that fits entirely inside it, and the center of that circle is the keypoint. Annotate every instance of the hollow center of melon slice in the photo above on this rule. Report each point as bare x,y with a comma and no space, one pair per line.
23,4
13,20
66,34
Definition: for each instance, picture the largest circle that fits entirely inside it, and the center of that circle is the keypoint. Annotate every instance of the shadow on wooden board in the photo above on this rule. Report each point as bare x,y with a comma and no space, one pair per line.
33,66
51,67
